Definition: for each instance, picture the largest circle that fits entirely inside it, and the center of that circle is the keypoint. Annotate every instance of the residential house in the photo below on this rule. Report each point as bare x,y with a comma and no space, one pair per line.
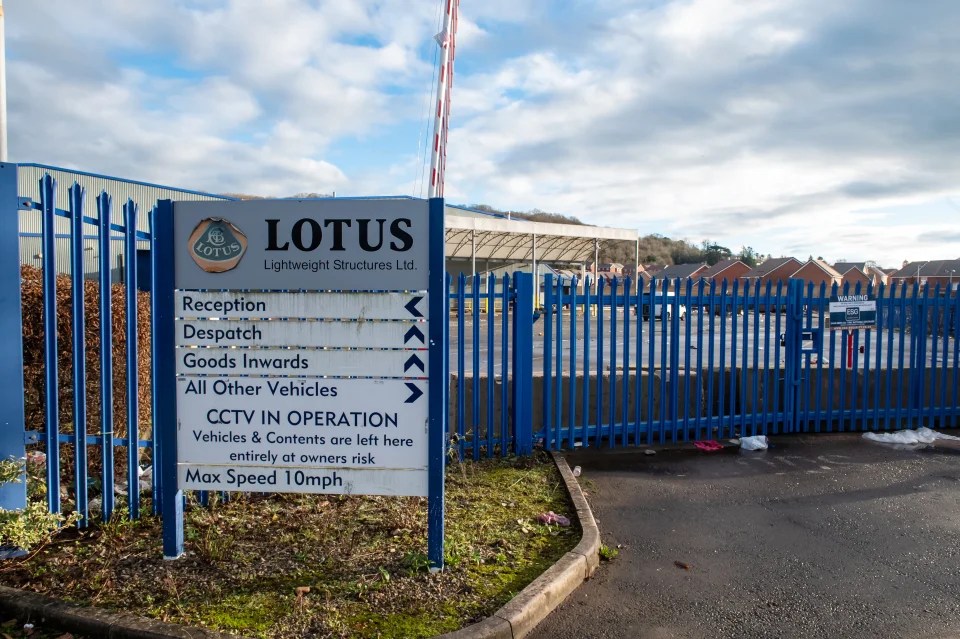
610,271
820,274
945,273
630,271
774,270
728,271
683,272
654,269
873,273
853,277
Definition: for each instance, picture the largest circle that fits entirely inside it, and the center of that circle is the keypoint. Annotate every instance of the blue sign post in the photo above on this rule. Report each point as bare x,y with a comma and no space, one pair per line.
291,338
164,380
438,384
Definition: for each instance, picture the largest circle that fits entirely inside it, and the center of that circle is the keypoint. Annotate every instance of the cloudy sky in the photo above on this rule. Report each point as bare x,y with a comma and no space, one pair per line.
797,127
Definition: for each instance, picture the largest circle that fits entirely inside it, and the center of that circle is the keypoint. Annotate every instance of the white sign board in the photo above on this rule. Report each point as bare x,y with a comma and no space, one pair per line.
327,428
260,362
299,305
301,340
346,333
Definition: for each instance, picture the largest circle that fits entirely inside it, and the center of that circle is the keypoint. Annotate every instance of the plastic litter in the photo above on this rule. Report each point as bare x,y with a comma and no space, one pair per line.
649,451
145,476
756,442
553,518
576,471
12,552
708,446
922,435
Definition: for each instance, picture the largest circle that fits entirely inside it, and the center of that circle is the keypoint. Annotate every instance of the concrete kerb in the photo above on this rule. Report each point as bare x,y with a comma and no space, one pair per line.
514,620
33,608
522,613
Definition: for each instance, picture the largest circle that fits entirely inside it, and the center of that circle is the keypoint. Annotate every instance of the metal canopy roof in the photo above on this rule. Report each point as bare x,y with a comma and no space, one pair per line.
474,234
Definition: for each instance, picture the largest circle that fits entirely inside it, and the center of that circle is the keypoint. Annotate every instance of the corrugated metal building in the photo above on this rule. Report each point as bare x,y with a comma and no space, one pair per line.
143,193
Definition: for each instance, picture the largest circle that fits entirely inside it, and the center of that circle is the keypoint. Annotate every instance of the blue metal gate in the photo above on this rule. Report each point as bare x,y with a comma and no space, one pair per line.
680,361
665,362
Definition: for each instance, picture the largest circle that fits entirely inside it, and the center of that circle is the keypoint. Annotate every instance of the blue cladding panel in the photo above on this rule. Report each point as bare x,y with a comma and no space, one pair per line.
13,496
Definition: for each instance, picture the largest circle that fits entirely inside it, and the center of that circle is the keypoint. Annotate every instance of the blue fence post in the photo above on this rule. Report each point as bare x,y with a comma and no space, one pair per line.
918,354
133,396
793,336
547,408
12,496
155,449
523,363
78,323
48,203
104,208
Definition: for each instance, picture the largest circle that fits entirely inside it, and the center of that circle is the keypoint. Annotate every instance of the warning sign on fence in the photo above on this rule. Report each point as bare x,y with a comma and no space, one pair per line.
853,311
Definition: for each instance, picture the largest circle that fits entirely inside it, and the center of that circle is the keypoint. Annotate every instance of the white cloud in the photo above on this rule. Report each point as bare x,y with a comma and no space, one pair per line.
765,123
754,123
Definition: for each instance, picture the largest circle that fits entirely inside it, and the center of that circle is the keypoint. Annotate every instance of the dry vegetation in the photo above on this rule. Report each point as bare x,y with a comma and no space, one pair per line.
34,369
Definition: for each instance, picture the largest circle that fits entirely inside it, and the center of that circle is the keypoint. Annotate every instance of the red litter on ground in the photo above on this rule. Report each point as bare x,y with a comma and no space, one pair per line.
553,518
708,446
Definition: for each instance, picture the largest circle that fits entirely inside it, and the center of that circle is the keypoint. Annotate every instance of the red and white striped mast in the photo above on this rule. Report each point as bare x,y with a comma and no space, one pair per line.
441,125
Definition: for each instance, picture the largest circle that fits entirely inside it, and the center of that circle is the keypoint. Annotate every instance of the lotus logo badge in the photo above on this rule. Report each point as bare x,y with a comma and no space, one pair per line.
216,245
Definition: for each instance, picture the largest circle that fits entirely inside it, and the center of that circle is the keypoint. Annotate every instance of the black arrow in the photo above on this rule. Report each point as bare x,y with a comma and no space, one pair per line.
414,332
414,361
412,306
415,393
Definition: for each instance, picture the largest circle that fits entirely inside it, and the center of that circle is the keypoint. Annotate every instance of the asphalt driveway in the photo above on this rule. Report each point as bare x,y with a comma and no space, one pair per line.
826,536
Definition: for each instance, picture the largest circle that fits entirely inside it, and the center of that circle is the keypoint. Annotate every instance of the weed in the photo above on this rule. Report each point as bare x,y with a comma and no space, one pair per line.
608,553
34,526
416,562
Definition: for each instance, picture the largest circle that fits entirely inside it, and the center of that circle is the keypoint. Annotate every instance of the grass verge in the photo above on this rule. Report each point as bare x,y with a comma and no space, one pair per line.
321,566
